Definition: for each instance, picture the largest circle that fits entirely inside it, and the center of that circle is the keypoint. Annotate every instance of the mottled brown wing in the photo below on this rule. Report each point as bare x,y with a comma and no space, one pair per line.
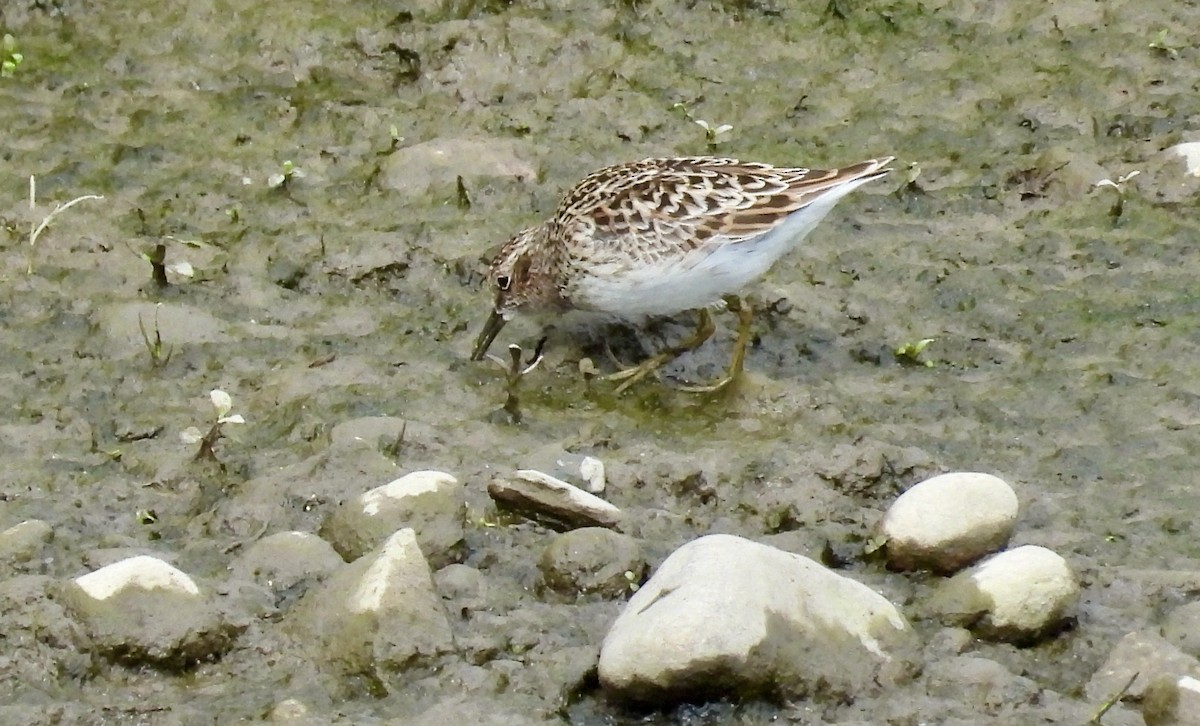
669,206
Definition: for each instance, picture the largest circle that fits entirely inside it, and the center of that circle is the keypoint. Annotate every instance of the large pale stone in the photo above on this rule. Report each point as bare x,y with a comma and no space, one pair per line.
727,616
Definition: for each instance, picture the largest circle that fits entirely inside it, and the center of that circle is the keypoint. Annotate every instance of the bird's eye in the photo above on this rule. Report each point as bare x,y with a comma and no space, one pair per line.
503,282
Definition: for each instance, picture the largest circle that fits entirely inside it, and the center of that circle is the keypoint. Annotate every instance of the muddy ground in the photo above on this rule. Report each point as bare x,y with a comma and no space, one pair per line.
1065,330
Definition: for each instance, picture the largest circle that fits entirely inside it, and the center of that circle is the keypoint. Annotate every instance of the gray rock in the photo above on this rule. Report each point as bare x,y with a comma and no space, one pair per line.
432,503
727,616
982,684
1146,654
438,163
144,611
552,501
377,615
24,542
949,521
592,560
463,588
1015,596
285,561
1182,628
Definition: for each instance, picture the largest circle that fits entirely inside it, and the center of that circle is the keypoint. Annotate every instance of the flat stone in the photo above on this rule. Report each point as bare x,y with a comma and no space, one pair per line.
438,163
553,502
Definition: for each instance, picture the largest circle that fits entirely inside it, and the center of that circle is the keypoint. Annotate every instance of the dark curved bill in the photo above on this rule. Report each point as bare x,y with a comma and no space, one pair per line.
490,330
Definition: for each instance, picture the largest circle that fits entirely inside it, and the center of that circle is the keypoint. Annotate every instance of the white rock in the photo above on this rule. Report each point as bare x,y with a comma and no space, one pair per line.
142,573
432,503
379,614
1015,596
727,616
949,521
592,471
142,610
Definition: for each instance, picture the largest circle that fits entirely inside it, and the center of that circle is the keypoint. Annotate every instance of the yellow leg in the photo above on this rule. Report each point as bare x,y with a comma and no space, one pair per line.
745,316
630,376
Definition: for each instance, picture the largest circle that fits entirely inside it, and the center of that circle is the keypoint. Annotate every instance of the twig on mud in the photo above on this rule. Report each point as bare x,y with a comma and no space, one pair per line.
35,231
1104,707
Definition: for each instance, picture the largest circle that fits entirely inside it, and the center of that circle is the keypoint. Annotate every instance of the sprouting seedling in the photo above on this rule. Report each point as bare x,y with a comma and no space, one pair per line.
159,356
223,403
910,353
713,133
631,579
1161,45
284,177
35,230
515,370
10,59
1118,186
157,257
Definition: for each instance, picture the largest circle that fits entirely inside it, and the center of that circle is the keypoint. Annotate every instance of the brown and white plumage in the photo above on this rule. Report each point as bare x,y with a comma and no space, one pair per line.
659,236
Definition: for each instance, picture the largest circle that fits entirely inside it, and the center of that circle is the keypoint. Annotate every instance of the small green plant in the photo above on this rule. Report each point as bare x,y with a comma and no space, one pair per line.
910,353
159,356
632,580
283,179
1118,187
713,133
1161,46
10,59
157,257
223,403
35,230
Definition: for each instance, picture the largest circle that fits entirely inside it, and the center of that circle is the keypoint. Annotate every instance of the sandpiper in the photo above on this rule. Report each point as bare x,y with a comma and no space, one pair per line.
660,236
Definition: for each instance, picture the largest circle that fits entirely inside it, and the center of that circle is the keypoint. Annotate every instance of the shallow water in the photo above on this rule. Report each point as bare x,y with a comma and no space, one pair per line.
1065,355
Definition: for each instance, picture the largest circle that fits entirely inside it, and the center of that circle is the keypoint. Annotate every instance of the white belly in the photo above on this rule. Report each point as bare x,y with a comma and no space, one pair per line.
699,277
